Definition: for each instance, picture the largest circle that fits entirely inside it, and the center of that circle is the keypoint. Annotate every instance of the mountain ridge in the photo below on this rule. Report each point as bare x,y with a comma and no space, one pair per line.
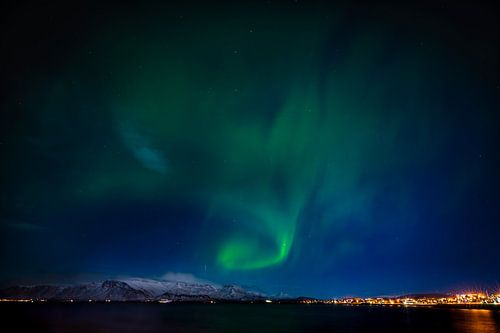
132,289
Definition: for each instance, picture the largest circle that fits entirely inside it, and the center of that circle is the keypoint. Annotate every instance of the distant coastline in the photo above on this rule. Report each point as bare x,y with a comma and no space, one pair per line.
134,290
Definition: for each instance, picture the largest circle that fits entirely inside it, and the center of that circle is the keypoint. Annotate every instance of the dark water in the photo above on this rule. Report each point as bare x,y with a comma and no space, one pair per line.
260,318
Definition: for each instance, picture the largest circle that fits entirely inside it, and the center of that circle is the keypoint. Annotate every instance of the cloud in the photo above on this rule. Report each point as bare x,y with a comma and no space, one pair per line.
142,149
184,277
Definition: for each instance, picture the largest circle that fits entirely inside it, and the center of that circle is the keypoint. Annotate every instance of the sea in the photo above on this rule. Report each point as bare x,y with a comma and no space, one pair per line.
180,317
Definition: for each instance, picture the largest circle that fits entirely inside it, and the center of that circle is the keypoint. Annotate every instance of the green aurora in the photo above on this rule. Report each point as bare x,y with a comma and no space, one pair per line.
256,127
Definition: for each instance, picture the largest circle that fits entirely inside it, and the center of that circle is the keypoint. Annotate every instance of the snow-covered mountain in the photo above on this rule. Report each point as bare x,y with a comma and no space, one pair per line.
132,289
159,287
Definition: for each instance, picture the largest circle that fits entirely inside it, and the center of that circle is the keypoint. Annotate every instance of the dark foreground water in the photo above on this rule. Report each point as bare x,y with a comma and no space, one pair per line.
130,317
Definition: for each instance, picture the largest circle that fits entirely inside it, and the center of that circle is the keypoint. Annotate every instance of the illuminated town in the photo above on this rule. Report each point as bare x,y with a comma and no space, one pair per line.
470,298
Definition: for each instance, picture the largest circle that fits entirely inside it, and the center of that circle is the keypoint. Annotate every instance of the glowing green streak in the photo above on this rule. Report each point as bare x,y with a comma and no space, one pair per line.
263,237
274,221
245,253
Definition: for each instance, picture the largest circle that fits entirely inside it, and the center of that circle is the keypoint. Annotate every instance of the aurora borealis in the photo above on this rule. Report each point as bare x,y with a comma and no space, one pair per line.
307,147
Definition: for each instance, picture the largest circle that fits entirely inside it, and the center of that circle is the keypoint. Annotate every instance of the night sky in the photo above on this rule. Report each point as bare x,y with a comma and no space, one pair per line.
316,148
